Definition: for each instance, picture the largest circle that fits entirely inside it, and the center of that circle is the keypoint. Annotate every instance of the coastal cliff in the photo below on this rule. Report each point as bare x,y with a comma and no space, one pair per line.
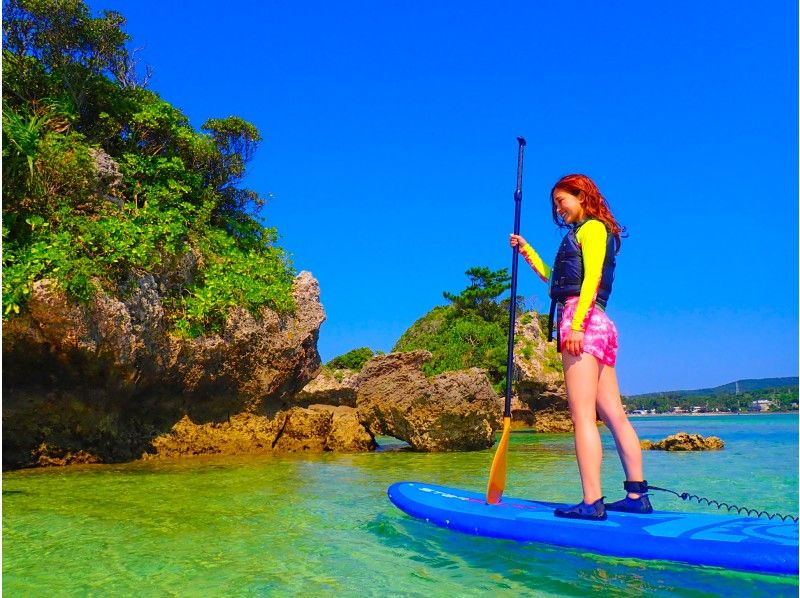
102,381
462,337
143,293
108,381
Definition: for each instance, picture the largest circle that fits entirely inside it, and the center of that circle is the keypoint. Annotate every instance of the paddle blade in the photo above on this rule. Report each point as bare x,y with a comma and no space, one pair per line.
497,475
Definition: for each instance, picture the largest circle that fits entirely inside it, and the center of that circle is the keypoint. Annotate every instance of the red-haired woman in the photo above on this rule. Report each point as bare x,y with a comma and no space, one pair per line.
580,285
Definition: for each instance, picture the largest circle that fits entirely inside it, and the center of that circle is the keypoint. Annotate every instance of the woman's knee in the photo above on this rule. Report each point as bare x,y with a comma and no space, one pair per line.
614,419
583,416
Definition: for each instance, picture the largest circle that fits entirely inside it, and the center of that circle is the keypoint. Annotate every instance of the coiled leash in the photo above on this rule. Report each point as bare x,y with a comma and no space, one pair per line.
731,507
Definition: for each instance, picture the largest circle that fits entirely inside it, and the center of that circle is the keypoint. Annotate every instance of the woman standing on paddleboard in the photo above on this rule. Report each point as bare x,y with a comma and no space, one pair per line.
580,285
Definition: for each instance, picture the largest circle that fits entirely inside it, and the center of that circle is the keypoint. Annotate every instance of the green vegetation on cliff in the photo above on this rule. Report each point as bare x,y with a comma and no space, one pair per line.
101,177
472,331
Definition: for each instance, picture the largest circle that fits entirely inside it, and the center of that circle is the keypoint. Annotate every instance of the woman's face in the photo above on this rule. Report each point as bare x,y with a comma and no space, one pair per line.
568,207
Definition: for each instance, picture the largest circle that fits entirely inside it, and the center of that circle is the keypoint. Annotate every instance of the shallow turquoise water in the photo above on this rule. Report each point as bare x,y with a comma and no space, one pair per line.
316,525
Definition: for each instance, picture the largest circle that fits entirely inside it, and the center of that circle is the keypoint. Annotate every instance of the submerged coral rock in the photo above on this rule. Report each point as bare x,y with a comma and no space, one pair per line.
685,442
452,411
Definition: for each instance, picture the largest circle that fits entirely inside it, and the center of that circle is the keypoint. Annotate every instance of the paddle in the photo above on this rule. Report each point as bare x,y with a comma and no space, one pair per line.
497,475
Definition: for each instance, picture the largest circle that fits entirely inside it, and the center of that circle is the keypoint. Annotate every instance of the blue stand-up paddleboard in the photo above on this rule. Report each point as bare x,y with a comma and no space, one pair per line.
732,542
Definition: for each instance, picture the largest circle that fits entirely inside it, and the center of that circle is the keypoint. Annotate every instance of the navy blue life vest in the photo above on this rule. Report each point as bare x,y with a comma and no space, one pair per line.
567,275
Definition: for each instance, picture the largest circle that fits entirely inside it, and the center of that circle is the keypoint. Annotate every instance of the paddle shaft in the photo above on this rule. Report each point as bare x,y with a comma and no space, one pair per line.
497,474
512,306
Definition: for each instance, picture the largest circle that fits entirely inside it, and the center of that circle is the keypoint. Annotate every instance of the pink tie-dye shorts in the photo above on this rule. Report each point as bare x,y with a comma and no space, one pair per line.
600,334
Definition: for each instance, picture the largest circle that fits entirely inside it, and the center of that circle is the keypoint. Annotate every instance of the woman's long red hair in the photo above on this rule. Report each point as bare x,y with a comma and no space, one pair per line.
595,205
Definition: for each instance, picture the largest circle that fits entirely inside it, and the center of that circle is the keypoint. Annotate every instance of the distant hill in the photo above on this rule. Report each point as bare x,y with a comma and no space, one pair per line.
740,386
734,396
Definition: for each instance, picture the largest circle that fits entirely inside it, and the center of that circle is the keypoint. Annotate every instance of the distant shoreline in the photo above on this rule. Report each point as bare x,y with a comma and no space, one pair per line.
714,413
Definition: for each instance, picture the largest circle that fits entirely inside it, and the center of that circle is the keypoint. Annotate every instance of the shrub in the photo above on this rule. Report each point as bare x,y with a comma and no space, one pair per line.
352,360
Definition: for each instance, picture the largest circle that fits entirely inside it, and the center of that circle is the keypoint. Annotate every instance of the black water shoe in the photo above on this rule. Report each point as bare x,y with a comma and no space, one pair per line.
633,505
594,512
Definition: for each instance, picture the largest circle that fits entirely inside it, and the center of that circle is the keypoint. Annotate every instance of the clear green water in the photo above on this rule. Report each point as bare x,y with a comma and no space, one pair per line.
321,525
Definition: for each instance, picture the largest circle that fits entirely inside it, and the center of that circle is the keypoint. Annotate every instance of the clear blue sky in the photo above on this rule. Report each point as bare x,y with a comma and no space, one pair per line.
389,145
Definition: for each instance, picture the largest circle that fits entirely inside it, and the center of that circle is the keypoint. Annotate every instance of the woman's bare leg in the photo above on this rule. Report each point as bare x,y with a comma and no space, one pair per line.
581,375
609,407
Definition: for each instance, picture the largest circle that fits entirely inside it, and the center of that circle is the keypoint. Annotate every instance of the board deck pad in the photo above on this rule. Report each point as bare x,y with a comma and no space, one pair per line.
731,542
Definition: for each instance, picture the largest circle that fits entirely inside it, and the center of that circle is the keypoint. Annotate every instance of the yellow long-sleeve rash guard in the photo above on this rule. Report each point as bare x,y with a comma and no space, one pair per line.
591,237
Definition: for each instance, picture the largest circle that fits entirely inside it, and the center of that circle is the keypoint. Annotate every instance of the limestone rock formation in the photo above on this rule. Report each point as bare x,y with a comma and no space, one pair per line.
393,396
346,432
45,456
522,416
539,382
107,377
685,442
319,428
330,387
451,411
108,176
